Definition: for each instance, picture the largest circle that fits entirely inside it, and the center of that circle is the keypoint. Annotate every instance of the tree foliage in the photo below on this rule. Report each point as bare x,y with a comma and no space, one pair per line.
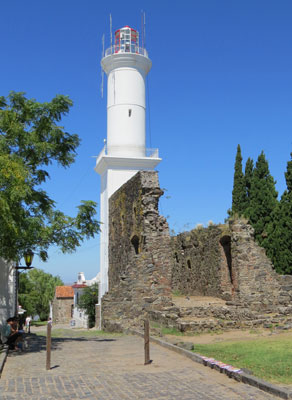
30,140
36,290
88,300
278,243
270,218
239,188
263,198
248,174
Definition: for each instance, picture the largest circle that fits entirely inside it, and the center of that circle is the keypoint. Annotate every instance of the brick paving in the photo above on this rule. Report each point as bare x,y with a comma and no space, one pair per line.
111,368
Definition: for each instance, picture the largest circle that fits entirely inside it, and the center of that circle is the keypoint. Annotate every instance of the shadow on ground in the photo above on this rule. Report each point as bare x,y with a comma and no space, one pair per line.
37,343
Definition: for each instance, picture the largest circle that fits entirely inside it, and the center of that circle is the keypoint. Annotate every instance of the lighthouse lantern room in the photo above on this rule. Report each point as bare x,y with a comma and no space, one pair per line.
126,40
126,65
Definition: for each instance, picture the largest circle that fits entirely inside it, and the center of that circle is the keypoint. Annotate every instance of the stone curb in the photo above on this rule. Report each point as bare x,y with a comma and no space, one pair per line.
240,377
3,356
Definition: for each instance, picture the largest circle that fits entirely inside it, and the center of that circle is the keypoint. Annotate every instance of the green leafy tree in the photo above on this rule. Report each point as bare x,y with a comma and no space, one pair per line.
278,243
88,300
239,188
30,140
263,198
36,290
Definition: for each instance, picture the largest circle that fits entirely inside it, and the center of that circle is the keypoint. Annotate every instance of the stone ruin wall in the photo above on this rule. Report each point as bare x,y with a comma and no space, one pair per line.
140,254
62,310
258,285
200,264
146,265
225,261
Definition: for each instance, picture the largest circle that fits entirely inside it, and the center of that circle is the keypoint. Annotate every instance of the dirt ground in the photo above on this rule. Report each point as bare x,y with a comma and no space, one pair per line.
229,336
197,301
218,336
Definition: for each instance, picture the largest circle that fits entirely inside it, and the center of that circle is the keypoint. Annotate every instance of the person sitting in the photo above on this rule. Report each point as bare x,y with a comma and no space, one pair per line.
11,335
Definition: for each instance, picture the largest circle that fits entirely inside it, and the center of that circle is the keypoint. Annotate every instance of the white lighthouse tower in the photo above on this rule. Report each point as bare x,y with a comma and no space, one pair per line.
126,65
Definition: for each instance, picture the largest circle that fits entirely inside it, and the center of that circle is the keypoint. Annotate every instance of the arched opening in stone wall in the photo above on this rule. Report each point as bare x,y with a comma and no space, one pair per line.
225,242
135,243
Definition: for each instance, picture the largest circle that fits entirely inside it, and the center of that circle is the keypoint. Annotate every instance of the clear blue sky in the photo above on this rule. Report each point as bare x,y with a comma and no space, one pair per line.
221,75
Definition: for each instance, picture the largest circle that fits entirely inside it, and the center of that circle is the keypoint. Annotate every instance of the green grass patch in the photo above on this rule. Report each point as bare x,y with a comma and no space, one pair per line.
171,331
75,333
38,323
165,330
269,359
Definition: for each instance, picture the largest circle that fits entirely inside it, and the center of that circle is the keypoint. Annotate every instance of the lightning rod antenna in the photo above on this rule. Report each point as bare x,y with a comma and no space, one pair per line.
111,31
144,30
142,38
102,42
102,71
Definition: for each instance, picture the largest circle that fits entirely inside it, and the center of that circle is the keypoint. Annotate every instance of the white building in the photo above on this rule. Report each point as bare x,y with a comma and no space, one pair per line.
126,65
7,290
79,316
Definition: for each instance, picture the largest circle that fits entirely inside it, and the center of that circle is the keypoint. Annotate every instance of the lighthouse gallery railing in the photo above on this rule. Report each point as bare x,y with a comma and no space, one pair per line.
151,153
117,49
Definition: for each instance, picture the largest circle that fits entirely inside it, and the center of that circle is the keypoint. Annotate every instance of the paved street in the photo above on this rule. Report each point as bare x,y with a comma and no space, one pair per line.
107,368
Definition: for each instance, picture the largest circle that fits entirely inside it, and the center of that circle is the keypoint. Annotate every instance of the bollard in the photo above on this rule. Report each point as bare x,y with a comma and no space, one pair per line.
49,336
146,342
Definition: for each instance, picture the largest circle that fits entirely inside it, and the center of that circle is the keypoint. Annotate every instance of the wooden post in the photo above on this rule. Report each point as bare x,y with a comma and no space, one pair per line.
49,336
146,342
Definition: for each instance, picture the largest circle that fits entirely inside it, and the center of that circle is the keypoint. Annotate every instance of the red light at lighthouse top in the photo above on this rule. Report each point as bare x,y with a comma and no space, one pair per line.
127,40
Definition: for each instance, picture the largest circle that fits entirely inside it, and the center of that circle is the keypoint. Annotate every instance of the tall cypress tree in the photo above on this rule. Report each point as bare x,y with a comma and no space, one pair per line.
248,173
263,198
278,243
288,175
239,190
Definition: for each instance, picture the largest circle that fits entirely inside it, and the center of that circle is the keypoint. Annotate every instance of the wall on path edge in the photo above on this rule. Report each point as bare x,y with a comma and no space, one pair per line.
7,291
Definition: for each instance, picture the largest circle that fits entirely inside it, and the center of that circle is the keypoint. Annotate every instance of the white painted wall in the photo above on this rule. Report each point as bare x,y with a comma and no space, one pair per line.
80,318
126,103
7,291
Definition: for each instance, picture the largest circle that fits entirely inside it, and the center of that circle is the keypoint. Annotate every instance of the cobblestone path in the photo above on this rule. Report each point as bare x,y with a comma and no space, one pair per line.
111,368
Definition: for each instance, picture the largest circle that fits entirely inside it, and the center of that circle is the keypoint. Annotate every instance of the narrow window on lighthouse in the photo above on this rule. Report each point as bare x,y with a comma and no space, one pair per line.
130,112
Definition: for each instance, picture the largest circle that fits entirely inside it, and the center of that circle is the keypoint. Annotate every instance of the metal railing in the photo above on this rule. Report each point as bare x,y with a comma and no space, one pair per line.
126,48
149,153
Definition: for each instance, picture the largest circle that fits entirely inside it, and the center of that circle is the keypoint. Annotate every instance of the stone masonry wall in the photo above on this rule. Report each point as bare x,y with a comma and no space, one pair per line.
62,310
146,266
7,291
285,297
225,261
140,260
201,265
258,285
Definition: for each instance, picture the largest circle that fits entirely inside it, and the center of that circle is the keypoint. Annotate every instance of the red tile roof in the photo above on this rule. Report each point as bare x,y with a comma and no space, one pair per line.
64,291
